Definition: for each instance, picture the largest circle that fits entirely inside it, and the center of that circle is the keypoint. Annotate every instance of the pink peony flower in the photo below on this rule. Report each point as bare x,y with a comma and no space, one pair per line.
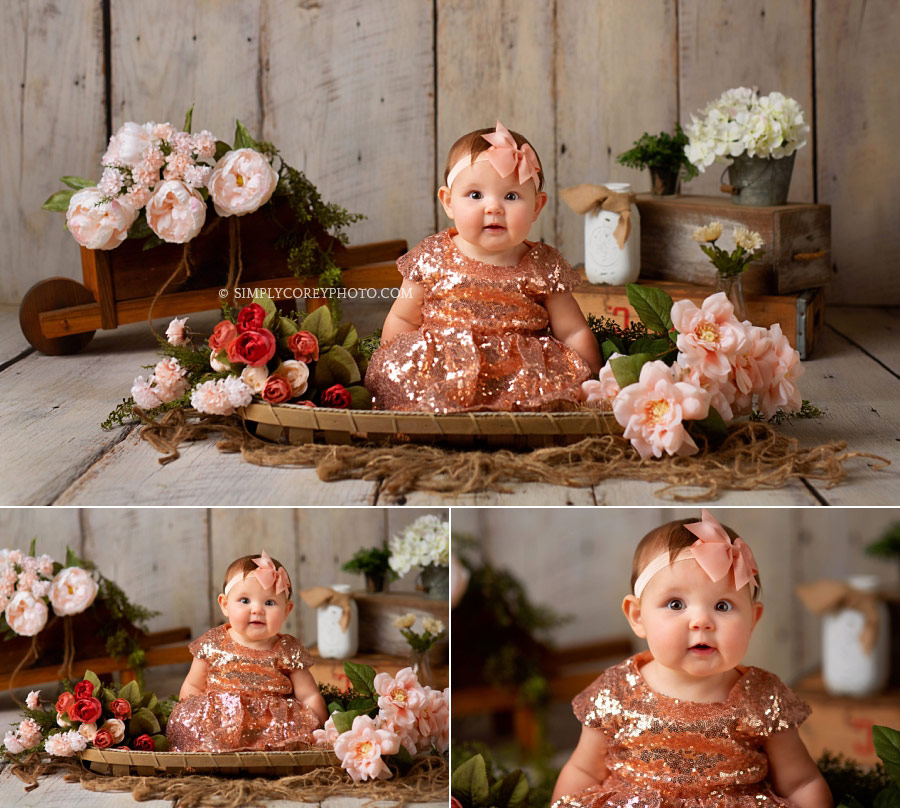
65,744
781,391
652,411
242,181
13,743
171,382
709,337
127,146
176,333
96,225
212,398
33,699
175,212
327,735
30,733
144,395
40,589
361,749
73,590
399,697
26,614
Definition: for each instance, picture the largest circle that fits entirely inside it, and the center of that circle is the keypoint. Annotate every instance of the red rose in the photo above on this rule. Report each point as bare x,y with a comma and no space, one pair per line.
144,743
276,389
252,348
103,739
304,346
64,702
250,318
86,710
84,690
336,396
121,708
222,336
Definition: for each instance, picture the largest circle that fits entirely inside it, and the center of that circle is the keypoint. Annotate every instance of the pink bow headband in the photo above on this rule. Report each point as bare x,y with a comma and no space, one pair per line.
266,574
714,551
504,156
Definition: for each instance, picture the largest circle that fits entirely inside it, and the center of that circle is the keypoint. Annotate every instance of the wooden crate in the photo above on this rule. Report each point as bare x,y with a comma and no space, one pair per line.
800,315
377,612
796,252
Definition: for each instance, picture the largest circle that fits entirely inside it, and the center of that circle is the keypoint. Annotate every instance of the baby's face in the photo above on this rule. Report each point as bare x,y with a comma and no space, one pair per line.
693,625
256,614
493,214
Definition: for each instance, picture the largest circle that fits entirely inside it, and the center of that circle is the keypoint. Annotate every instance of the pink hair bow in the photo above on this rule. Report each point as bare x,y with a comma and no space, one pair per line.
268,576
506,157
717,554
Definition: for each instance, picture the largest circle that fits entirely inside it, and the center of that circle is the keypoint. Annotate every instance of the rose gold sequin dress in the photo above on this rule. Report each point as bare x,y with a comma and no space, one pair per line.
484,342
668,753
247,703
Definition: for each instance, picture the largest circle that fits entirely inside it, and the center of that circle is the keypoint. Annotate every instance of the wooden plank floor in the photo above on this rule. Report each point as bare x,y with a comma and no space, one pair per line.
55,452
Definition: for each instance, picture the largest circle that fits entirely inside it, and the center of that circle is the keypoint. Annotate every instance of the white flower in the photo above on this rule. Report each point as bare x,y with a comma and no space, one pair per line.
175,333
88,731
116,728
65,744
63,720
73,590
707,233
432,625
750,240
239,394
217,365
405,620
426,541
255,377
26,614
33,699
13,743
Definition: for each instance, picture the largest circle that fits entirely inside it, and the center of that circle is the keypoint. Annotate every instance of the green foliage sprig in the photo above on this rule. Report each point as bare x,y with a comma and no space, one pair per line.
877,788
371,561
662,151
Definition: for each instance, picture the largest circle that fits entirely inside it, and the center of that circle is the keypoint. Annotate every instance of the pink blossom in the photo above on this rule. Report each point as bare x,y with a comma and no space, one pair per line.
408,734
153,161
27,579
164,131
212,398
652,411
30,733
361,749
178,163
40,589
110,181
29,564
73,590
175,212
239,394
709,337
782,391
9,576
13,743
4,600
197,176
45,565
65,744
182,143
205,144
136,196
605,390
399,697
16,557
722,392
242,181
26,614
144,395
327,735
145,175
98,225
169,376
128,145
176,333
753,368
433,721
33,699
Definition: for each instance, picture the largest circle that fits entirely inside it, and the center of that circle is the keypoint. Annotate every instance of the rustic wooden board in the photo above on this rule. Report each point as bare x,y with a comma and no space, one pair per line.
377,612
716,54
348,96
856,147
511,78
53,124
606,51
518,494
54,529
12,342
876,331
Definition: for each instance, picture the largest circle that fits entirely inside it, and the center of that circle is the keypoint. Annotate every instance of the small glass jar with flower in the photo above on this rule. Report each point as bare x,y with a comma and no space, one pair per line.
425,543
420,644
730,266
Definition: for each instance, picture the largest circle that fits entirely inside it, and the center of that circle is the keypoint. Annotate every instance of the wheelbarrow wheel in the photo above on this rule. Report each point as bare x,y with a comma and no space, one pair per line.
50,295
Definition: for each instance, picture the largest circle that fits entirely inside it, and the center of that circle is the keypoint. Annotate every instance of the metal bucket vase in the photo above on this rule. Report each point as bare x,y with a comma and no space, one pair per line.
760,180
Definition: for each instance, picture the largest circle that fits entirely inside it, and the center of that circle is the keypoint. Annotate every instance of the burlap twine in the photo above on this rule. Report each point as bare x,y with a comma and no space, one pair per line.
427,781
754,455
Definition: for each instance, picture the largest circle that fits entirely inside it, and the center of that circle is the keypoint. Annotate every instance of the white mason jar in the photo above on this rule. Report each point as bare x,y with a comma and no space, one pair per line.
604,261
846,667
332,641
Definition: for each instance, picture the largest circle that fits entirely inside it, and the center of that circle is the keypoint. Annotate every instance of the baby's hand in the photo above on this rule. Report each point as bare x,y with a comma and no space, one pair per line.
196,680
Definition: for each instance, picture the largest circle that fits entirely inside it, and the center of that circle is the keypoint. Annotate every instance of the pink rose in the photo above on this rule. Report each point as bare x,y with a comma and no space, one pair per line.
336,396
363,747
399,697
242,181
26,614
103,739
252,347
709,337
64,701
277,389
175,212
652,411
251,318
304,346
120,708
222,336
98,226
73,590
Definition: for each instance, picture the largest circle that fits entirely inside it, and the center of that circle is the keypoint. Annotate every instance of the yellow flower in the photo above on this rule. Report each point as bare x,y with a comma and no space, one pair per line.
405,621
432,625
750,240
709,232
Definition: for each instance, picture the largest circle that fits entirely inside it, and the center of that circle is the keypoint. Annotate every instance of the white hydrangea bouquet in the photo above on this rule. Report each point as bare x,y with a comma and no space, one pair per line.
739,121
424,543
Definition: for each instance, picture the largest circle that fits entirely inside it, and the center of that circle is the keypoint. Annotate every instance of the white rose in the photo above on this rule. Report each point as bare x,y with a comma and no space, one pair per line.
297,373
96,225
72,591
26,614
255,377
242,181
88,731
114,727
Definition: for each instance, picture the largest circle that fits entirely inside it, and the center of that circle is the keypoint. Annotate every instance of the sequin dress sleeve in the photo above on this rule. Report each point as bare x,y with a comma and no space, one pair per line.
485,342
670,753
248,703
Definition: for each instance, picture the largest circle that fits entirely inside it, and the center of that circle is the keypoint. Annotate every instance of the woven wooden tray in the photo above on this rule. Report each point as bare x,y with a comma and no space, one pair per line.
123,762
296,424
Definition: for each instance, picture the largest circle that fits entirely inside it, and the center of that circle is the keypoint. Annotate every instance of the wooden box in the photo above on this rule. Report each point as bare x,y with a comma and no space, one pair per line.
796,252
377,612
800,315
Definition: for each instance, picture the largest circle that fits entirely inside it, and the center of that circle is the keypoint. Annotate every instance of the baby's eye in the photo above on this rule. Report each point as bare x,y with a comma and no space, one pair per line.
675,604
723,606
512,196
244,600
270,602
474,194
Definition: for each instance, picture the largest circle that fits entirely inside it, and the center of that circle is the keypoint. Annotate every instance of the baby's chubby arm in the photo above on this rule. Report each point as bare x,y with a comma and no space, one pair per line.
586,767
793,774
307,692
569,326
196,679
406,313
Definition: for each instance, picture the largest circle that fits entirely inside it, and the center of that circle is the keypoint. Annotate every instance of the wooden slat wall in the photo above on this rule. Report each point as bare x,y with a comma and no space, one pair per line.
366,97
173,560
584,570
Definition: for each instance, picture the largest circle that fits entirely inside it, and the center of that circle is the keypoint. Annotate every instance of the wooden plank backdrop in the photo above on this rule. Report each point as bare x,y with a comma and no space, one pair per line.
366,97
173,560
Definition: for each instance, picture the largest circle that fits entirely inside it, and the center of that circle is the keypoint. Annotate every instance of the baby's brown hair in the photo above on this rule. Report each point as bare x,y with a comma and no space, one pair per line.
245,565
474,144
673,537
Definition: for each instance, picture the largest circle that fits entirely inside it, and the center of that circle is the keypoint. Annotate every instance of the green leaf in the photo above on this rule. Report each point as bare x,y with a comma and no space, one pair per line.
160,743
403,757
713,426
72,560
343,722
150,702
364,704
347,337
222,148
323,377
141,721
653,306
887,747
188,119
362,678
242,137
152,241
140,228
90,676
342,365
511,791
77,182
469,783
320,325
32,546
335,707
850,802
268,306
132,692
107,695
58,201
360,398
627,369
611,346
285,327
888,798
